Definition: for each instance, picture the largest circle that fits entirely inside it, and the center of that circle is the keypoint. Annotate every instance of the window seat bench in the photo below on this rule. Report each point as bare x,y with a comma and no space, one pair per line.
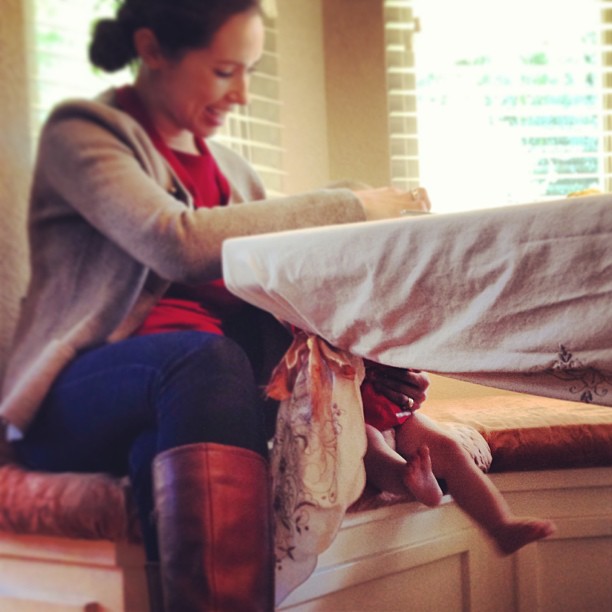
71,541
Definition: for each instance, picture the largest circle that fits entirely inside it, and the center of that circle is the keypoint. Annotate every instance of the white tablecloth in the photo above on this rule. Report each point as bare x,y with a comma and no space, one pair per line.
518,298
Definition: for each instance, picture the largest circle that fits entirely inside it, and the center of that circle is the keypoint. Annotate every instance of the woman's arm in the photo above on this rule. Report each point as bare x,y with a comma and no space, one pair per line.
94,161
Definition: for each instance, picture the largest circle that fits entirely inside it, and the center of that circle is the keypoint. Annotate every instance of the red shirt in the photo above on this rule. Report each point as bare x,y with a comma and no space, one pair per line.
205,307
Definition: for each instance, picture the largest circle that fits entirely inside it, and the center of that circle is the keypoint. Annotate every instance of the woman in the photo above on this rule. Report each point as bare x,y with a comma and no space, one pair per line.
122,357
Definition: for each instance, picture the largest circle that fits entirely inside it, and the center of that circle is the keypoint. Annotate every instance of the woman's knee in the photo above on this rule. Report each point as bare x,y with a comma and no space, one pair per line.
210,358
224,350
211,397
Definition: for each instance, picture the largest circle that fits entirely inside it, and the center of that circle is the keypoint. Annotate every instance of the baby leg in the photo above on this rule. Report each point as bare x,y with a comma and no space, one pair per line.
419,478
514,533
470,488
389,471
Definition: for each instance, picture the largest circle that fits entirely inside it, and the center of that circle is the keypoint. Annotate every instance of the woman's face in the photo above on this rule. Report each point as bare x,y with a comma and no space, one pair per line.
193,94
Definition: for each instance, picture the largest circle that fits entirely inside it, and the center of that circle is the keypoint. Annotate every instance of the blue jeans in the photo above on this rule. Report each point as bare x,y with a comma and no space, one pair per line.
115,407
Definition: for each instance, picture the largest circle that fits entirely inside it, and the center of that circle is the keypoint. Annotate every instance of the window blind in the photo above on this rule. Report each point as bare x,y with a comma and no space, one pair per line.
59,38
401,25
255,131
493,102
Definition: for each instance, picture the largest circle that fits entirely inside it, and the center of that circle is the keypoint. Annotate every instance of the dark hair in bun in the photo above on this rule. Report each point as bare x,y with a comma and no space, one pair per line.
179,25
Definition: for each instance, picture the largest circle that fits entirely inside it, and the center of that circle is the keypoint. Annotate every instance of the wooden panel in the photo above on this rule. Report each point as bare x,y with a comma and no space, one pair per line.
381,555
71,584
32,605
492,578
71,550
575,574
440,585
380,530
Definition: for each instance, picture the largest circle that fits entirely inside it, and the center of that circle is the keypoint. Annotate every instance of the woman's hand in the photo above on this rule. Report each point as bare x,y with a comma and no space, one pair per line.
388,202
405,388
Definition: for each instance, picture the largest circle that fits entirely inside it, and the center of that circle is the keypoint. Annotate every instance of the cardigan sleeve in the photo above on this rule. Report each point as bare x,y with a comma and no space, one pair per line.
96,163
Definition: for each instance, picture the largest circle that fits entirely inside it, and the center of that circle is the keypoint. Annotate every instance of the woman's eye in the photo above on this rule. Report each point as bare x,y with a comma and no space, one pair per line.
224,74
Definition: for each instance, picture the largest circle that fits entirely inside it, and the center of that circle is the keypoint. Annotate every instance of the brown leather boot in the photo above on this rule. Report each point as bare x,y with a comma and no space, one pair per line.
214,523
156,603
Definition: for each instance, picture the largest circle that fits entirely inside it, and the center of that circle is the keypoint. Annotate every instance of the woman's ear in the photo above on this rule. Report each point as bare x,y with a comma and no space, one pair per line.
148,48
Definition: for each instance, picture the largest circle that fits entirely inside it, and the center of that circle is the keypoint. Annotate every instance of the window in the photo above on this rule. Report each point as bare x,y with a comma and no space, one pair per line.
61,31
60,39
494,102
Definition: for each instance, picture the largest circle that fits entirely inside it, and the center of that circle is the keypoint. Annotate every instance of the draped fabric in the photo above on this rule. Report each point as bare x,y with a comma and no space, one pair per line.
317,468
517,298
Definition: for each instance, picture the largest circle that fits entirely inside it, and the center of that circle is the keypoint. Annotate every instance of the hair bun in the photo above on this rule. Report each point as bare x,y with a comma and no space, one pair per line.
111,46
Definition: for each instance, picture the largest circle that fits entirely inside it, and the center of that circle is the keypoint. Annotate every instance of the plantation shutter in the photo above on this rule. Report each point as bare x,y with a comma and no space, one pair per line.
400,27
255,131
606,39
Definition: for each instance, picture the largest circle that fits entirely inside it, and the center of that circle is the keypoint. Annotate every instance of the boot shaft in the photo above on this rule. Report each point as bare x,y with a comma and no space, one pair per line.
214,524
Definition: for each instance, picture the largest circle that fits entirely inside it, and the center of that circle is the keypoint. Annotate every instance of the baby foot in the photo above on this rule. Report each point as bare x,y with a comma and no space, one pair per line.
516,533
419,478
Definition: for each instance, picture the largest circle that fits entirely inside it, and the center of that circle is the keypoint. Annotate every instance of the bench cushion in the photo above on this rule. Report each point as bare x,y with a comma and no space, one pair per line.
527,432
85,506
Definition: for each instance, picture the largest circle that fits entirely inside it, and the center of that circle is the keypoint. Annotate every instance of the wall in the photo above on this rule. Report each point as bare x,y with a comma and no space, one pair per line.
14,165
304,113
333,85
355,76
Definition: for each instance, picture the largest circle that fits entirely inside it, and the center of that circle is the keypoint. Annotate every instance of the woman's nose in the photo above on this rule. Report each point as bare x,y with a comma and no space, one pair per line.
240,90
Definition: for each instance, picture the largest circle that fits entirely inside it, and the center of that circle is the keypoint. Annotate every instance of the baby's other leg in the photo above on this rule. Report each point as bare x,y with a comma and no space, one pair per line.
389,471
420,479
470,488
384,467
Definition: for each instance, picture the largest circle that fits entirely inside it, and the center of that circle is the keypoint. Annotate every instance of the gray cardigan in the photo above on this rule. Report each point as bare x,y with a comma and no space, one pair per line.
110,226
